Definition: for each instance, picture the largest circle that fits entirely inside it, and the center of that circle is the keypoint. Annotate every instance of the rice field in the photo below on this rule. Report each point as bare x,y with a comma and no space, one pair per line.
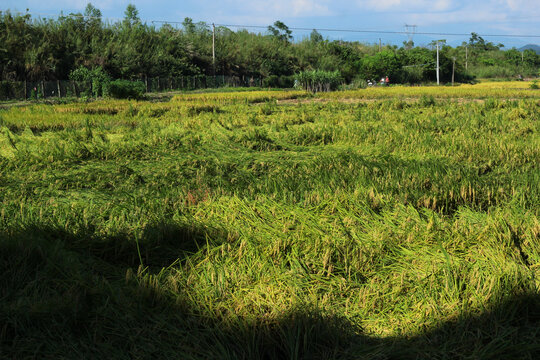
273,225
504,90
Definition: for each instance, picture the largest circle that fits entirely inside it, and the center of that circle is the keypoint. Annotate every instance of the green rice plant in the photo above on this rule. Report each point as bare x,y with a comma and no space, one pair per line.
401,223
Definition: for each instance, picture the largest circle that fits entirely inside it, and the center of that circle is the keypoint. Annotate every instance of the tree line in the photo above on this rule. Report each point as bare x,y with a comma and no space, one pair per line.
53,49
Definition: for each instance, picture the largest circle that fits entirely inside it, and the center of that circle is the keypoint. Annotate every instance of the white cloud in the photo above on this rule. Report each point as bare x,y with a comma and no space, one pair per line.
522,5
309,8
405,5
285,8
68,5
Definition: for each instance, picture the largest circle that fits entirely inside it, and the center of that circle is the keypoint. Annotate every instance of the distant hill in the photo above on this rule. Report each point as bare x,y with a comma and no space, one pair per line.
534,47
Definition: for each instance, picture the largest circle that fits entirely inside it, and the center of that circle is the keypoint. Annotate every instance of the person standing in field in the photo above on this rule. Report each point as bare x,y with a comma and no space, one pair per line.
387,80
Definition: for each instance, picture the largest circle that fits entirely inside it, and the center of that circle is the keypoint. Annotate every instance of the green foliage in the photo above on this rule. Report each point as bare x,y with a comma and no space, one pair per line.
97,77
11,90
318,80
357,83
384,63
274,81
315,36
35,50
125,89
280,31
534,85
501,72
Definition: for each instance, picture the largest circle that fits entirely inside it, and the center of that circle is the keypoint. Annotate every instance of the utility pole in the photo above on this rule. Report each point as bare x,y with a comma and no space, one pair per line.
466,56
453,67
437,62
214,50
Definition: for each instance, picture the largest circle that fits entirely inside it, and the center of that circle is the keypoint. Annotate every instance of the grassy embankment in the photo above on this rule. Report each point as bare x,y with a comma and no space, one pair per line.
220,226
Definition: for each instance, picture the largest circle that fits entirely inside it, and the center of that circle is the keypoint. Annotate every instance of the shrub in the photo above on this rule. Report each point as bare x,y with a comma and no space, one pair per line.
318,80
11,90
274,81
356,83
286,81
125,89
534,85
271,81
97,77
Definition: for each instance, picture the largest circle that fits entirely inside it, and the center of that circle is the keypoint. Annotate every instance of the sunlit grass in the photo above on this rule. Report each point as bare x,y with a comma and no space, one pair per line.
235,226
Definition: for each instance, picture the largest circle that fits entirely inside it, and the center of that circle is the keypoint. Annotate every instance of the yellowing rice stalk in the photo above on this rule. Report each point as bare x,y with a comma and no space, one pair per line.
230,225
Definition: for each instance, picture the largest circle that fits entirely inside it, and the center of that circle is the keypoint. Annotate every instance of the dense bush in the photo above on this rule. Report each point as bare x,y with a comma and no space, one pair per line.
125,89
274,81
11,90
97,77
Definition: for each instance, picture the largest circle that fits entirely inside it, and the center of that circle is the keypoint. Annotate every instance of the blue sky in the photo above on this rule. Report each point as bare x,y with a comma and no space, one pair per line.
452,16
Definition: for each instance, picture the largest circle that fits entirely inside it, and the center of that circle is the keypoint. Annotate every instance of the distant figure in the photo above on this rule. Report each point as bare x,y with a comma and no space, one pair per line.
382,81
387,80
369,83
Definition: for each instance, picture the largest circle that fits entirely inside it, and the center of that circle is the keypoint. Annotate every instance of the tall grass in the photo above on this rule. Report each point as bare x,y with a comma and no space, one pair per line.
220,226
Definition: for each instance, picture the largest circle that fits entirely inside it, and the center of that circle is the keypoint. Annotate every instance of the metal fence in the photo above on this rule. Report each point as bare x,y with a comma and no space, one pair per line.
21,90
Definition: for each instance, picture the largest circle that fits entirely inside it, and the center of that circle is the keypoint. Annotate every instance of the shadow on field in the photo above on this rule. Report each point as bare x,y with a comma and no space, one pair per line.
71,295
159,245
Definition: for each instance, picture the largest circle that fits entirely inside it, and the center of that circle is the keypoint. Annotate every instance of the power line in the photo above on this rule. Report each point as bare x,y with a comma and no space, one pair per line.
363,31
318,29
384,32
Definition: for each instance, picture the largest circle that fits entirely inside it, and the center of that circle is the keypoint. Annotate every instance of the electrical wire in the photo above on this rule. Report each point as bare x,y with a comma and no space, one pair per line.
318,29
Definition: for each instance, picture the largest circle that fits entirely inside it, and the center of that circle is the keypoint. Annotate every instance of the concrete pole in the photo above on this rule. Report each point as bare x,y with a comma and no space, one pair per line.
466,56
214,49
437,62
453,67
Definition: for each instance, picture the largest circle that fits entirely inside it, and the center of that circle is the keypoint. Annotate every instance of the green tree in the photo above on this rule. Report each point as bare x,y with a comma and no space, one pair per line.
315,36
131,16
280,31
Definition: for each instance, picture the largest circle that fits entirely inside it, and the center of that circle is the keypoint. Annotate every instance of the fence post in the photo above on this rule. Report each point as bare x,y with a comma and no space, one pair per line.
58,87
43,89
